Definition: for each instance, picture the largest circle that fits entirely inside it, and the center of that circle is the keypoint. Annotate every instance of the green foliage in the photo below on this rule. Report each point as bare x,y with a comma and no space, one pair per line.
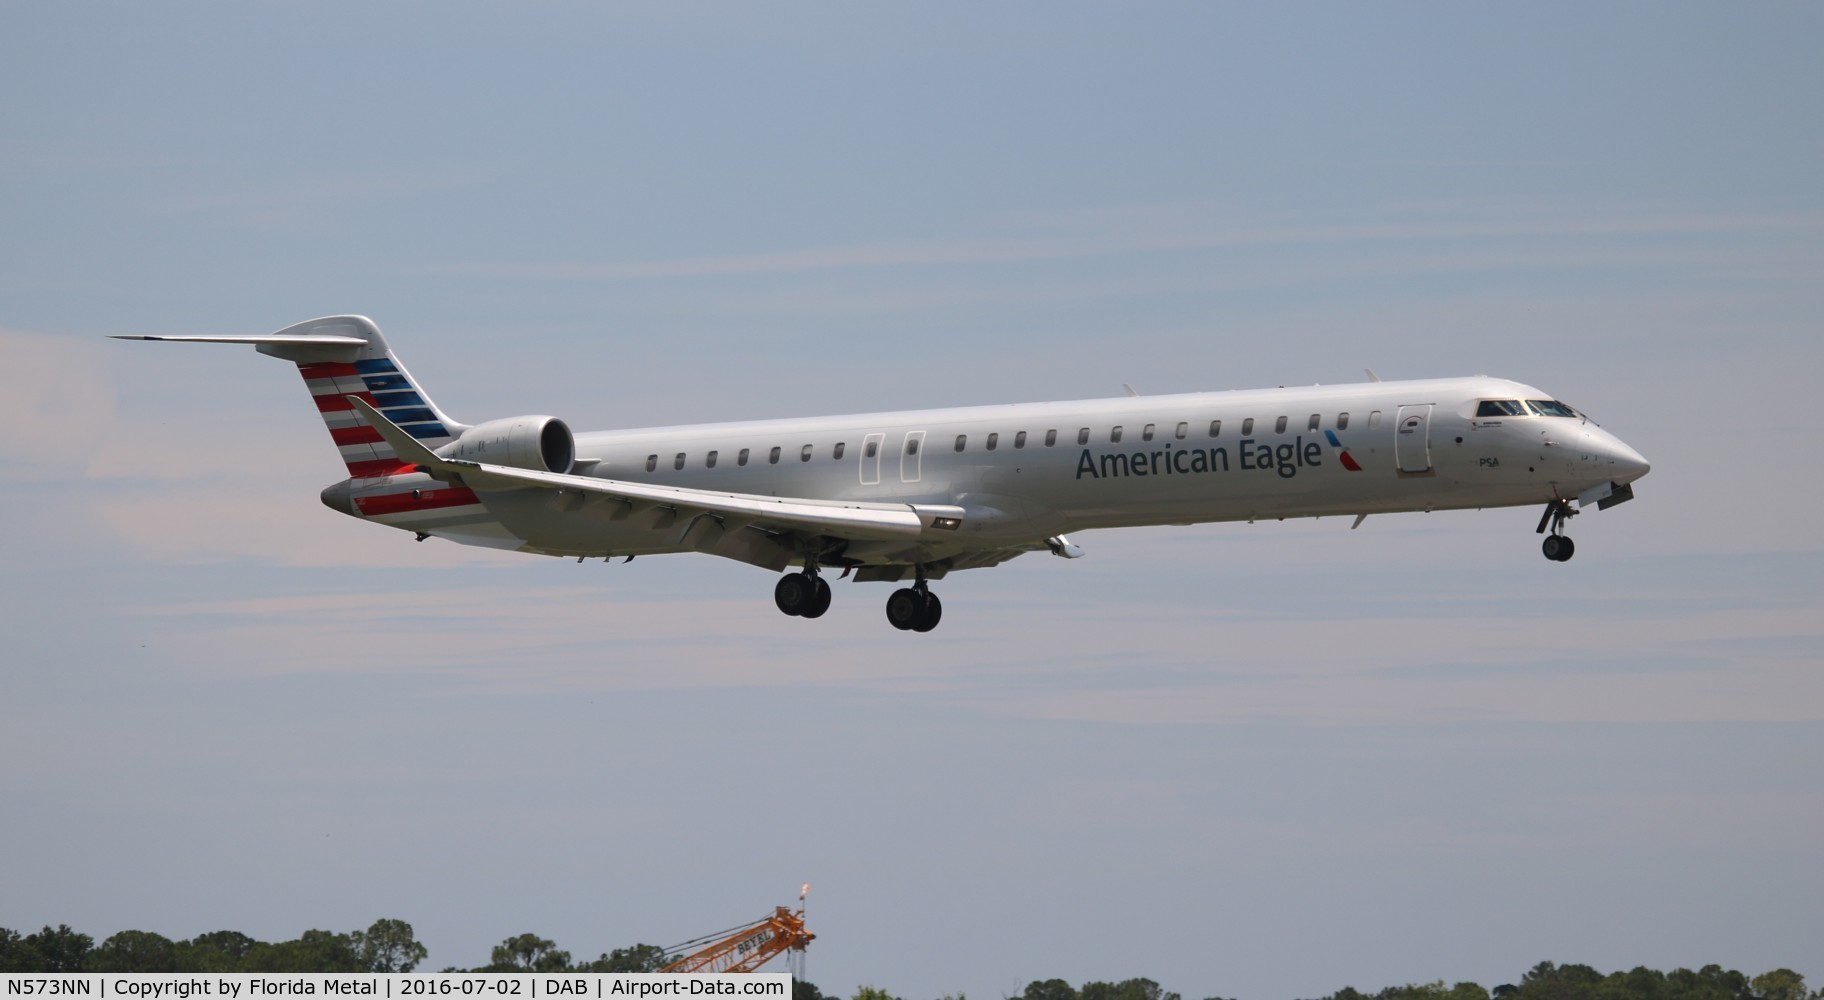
1128,989
16,955
804,989
1048,989
216,951
1550,982
872,993
61,950
638,958
134,951
1780,984
1417,991
388,946
527,953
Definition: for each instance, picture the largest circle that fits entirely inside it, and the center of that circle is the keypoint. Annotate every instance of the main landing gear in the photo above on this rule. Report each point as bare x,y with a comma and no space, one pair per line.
914,608
802,595
807,595
1558,547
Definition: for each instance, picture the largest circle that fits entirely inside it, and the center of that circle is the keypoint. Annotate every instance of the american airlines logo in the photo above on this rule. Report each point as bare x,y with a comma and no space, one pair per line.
1285,458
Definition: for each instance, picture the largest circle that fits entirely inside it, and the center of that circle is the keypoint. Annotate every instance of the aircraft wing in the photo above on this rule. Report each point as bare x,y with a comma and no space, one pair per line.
851,520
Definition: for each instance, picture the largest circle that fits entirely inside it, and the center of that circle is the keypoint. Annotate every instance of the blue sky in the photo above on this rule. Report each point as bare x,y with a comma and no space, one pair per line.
1258,761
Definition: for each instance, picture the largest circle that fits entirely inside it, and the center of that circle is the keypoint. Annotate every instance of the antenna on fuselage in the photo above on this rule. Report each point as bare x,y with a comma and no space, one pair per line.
1372,377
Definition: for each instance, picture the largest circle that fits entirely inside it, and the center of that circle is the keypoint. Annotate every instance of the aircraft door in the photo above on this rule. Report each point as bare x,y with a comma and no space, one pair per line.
870,458
910,459
1412,439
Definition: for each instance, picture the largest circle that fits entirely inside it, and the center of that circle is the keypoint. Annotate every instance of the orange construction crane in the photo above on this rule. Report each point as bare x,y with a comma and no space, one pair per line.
746,948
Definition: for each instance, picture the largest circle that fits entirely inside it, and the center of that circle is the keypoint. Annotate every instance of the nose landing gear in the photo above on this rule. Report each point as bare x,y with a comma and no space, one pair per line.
1558,546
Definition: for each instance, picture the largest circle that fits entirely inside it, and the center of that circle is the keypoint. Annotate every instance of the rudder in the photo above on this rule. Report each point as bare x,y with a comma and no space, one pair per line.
334,371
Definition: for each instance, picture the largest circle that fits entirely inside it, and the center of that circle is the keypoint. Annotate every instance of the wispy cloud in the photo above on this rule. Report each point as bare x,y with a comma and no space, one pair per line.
55,402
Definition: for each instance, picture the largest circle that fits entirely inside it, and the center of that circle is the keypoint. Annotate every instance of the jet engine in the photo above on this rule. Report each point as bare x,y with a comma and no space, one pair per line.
542,444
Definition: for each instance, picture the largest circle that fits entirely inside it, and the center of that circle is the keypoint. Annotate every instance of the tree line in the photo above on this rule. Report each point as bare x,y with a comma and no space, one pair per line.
391,946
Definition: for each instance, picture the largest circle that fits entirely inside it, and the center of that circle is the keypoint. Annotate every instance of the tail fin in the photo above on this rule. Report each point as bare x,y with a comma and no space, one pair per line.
343,356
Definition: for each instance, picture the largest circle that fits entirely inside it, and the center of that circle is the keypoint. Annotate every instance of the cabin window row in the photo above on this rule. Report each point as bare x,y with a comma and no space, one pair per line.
993,440
1181,431
773,455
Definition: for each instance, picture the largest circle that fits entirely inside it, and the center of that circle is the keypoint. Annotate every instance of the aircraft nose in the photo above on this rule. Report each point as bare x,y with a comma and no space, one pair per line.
1628,464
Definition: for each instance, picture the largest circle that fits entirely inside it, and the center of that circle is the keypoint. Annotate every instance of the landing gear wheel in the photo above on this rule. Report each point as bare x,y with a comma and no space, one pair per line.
1557,547
796,593
820,600
905,608
934,610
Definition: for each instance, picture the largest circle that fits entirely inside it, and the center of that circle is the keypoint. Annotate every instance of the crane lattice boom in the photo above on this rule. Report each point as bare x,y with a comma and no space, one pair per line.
748,947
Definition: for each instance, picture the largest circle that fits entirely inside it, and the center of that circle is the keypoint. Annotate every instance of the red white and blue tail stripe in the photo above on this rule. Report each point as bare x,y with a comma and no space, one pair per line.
343,356
383,385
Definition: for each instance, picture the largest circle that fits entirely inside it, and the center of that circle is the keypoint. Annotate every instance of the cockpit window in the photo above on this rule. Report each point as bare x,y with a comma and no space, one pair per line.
1500,408
1551,408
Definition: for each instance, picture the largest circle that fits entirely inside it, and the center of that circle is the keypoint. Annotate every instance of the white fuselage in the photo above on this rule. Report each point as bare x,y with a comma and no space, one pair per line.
916,494
1068,466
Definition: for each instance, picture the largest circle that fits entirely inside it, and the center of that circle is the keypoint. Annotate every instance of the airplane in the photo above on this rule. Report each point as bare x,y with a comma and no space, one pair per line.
918,494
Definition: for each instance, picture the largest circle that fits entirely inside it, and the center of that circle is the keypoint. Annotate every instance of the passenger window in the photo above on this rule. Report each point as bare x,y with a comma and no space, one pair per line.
837,453
1247,426
962,441
1051,438
1183,429
709,460
1019,440
1215,428
1313,424
678,462
872,448
1279,426
772,457
1374,419
1114,434
804,454
1083,436
741,457
1146,433
993,439
1342,421
912,445
652,462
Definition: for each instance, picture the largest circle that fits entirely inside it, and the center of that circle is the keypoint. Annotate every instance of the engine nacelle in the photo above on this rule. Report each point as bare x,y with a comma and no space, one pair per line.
543,444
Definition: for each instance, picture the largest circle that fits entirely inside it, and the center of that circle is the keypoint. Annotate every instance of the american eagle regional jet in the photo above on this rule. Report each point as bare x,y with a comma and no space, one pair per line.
917,494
